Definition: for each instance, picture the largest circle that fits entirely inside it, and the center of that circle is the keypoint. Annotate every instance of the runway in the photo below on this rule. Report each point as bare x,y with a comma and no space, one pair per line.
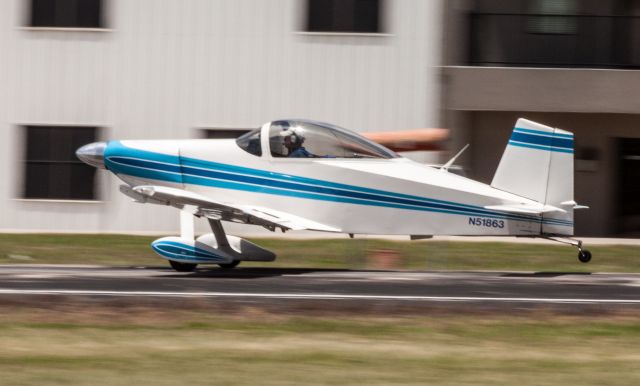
275,284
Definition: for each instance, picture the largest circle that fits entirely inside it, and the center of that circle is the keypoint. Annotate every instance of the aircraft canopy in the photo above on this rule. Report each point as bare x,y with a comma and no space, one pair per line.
311,139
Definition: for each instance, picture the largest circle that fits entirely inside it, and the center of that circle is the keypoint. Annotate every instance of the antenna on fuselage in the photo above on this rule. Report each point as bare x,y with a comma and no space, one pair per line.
445,167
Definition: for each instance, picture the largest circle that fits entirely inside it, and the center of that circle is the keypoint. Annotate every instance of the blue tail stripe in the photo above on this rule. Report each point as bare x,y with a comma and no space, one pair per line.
531,139
547,133
537,147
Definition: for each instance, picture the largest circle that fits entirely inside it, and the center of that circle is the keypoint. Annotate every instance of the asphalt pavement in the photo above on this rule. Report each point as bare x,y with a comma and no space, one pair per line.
267,284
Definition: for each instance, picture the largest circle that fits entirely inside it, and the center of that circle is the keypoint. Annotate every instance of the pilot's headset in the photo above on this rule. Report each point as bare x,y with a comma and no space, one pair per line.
294,137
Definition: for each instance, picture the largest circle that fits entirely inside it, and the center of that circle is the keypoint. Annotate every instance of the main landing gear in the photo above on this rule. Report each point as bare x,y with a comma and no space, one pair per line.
583,255
183,267
227,251
231,265
190,267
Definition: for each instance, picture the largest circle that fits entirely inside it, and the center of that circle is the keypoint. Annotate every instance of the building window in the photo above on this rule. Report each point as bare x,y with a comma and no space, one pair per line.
214,133
557,17
355,16
51,168
66,13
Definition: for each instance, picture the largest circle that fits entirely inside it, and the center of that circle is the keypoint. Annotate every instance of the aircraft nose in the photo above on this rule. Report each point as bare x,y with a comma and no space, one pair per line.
92,154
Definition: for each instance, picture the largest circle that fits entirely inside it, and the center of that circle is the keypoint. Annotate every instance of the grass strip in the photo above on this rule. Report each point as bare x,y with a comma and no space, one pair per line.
329,253
274,349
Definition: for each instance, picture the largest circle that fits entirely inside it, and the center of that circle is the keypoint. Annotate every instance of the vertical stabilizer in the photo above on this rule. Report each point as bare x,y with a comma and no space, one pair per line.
538,164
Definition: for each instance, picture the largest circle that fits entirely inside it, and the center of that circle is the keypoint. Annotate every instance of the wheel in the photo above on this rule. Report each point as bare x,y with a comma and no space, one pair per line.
183,267
231,265
584,256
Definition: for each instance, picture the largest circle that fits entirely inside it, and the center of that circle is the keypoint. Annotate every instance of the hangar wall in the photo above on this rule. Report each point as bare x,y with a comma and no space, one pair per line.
581,74
164,68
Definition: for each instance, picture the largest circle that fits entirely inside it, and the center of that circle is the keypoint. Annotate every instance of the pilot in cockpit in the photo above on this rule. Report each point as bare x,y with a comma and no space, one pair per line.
293,141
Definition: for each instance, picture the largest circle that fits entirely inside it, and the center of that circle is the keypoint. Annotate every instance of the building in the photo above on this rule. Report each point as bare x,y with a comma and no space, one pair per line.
571,64
73,72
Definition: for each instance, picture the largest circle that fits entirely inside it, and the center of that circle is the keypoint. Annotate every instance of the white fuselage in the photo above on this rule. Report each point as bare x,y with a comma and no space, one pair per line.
360,196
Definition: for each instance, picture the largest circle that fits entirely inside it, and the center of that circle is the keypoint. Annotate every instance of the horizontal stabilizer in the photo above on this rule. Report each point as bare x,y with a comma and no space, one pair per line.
525,208
574,205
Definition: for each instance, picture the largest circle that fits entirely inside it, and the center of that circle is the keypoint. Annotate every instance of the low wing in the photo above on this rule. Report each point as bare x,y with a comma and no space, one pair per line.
199,205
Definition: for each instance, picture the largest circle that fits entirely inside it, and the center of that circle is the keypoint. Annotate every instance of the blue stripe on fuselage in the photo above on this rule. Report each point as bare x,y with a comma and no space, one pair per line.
163,167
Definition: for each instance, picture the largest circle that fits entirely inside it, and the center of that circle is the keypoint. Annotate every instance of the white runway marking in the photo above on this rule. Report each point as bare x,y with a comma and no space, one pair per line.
314,296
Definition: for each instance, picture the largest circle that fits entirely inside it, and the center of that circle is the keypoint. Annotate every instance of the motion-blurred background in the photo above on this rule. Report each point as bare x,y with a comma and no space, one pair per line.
78,71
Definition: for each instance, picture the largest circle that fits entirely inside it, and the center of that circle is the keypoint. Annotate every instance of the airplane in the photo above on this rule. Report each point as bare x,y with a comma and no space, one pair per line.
297,174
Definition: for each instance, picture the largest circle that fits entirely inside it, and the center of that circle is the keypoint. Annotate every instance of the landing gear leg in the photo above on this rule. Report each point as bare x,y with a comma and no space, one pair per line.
222,241
583,255
186,232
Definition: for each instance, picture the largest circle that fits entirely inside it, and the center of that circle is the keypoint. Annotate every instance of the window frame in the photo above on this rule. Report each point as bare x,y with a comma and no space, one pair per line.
240,131
543,20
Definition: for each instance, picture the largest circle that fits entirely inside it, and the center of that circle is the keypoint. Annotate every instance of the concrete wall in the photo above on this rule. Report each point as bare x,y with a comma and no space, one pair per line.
542,89
163,68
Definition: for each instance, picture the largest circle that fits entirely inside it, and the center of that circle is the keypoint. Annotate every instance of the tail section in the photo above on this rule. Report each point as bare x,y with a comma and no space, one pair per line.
538,164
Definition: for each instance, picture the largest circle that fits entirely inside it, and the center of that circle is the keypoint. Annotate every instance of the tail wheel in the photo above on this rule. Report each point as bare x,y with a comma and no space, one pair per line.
231,265
584,256
183,267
